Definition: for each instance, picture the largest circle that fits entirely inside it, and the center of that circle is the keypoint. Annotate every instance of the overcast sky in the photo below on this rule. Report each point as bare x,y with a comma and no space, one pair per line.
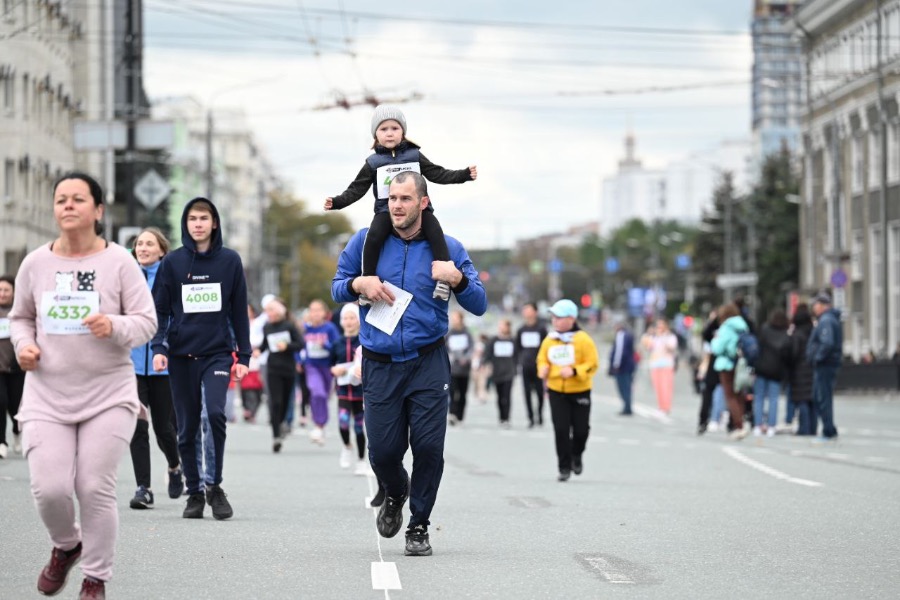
539,95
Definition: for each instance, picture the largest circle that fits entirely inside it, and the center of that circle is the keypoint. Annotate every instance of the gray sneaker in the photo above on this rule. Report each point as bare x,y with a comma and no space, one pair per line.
417,543
442,291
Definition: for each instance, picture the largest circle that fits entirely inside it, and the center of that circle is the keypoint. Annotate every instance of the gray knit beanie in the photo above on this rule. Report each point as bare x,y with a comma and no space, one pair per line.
384,112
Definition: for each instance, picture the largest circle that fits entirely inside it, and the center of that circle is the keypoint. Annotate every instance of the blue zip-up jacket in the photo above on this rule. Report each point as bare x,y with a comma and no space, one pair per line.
621,355
201,333
405,157
141,356
407,265
826,344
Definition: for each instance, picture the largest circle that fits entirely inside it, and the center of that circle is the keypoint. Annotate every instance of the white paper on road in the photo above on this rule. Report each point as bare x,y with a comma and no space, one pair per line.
348,378
385,317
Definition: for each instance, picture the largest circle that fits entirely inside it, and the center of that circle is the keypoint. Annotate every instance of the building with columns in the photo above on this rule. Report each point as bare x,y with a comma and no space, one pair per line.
850,205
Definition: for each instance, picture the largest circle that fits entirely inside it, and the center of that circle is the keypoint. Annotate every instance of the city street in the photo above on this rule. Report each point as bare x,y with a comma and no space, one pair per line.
658,513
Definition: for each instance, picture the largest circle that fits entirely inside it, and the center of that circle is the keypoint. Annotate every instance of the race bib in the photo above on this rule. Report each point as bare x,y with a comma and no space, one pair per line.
201,297
384,175
4,329
531,339
562,355
458,342
503,348
316,350
63,312
279,337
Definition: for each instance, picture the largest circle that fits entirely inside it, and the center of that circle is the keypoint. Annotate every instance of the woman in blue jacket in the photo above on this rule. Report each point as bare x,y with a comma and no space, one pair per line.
724,347
153,390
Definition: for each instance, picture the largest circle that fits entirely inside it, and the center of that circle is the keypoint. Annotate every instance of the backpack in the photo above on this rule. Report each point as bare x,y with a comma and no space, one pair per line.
748,347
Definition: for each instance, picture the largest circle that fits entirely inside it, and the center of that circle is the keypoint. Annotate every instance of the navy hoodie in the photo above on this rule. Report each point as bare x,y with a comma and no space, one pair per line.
201,334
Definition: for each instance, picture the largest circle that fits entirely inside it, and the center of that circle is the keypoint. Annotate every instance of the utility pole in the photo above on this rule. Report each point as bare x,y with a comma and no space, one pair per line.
210,183
727,227
882,194
132,99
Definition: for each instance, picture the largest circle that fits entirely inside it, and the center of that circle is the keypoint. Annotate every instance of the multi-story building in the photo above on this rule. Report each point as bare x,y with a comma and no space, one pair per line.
850,206
679,192
241,177
777,78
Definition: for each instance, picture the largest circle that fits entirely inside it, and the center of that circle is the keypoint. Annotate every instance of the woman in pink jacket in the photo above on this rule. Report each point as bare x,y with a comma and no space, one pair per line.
81,304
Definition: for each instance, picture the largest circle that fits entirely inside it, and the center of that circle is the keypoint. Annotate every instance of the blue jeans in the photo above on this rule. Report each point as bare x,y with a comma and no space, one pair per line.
718,404
823,394
624,383
806,418
765,389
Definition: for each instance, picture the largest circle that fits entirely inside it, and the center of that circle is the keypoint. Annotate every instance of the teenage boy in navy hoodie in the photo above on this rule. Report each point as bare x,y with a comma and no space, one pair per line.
201,304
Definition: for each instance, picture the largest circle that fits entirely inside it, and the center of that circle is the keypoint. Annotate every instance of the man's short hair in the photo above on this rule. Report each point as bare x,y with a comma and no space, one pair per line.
203,206
421,184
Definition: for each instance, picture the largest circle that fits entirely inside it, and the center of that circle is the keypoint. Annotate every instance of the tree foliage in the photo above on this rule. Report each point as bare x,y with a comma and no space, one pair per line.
305,247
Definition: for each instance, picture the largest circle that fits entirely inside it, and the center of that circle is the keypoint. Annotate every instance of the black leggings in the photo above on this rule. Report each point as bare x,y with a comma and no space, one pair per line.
504,397
155,394
352,411
11,385
381,228
532,383
571,415
281,391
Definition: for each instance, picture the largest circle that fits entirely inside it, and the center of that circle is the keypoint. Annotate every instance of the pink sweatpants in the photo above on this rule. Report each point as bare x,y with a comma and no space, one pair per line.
663,383
80,459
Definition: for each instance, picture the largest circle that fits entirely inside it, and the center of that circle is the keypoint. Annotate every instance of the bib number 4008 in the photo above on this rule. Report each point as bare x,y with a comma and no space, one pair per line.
74,313
202,297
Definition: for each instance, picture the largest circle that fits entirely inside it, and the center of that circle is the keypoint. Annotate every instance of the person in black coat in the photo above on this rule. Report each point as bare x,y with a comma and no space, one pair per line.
710,376
770,372
800,372
282,340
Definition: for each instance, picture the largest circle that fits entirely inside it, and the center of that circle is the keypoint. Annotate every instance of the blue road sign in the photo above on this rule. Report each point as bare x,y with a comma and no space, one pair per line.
555,266
612,265
683,262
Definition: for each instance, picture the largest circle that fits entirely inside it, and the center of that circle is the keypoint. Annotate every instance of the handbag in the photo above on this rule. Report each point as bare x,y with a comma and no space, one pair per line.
743,375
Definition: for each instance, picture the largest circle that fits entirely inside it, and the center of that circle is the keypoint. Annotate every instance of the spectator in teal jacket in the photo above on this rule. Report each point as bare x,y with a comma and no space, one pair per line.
724,347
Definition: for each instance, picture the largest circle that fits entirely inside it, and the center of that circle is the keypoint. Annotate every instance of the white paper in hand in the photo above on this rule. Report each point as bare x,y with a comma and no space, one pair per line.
385,317
349,377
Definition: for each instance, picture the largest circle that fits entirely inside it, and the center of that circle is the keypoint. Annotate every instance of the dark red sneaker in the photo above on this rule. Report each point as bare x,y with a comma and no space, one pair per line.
53,577
92,590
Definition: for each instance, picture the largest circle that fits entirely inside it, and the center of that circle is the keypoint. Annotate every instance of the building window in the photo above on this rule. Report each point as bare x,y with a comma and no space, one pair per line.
876,288
874,159
856,254
9,94
893,151
9,180
856,159
25,107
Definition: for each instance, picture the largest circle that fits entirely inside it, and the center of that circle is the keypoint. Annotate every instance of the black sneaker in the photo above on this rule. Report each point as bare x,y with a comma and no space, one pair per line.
577,466
218,500
564,475
390,515
176,483
194,508
378,500
143,498
276,445
417,541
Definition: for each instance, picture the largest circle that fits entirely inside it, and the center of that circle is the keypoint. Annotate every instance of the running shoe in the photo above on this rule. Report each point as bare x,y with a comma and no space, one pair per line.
54,574
417,543
276,445
442,291
92,589
17,443
564,475
317,436
194,507
362,467
143,498
176,483
218,500
346,457
4,450
577,466
378,499
390,515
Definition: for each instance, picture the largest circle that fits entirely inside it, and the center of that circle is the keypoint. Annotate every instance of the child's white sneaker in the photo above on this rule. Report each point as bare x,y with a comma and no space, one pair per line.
346,456
362,468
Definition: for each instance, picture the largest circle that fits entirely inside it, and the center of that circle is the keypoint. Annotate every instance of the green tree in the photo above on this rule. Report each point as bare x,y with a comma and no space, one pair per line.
304,247
709,248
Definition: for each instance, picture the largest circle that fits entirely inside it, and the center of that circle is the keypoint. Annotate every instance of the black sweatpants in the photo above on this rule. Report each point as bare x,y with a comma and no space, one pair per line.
156,395
571,415
531,383
281,393
11,386
381,228
459,387
504,398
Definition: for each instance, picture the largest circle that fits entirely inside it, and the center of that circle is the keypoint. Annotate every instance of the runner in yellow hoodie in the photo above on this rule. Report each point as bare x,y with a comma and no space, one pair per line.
567,361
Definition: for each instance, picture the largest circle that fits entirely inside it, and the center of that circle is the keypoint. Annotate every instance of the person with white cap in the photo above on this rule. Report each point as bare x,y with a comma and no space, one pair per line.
394,153
823,351
567,361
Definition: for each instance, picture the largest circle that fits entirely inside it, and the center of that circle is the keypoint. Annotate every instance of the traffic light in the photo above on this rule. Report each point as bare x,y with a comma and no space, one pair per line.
585,300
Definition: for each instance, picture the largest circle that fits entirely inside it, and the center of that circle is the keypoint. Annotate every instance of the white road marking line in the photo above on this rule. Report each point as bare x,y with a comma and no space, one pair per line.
385,577
661,444
384,574
876,459
608,571
629,442
837,455
736,454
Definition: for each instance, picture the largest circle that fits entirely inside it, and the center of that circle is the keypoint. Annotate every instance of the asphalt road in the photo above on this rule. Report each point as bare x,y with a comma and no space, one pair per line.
658,513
